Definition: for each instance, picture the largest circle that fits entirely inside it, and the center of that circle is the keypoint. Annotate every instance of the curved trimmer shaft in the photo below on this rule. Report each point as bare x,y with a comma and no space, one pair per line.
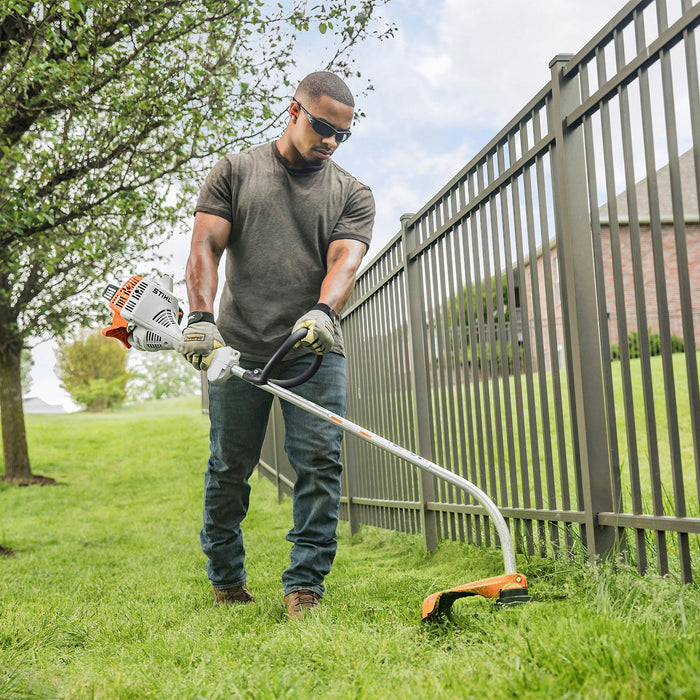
508,589
384,444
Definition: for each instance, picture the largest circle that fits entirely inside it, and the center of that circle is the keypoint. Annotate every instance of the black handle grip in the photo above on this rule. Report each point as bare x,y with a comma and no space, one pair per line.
260,376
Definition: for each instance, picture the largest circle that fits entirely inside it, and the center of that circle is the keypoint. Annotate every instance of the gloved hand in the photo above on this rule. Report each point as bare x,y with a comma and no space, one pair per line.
320,322
200,339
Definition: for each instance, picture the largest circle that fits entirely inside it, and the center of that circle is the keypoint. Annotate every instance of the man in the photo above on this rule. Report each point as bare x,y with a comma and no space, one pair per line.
295,227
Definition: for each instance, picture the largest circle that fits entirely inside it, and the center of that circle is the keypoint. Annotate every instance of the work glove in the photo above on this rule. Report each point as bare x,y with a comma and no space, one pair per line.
200,339
320,325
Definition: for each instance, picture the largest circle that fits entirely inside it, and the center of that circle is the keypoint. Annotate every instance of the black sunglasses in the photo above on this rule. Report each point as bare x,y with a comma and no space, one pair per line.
323,128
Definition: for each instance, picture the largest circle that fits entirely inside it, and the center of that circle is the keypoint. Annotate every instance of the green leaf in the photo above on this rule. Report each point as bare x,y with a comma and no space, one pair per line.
115,113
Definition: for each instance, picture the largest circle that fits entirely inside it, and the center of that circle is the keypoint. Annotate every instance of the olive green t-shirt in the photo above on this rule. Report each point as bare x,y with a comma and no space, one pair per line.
282,221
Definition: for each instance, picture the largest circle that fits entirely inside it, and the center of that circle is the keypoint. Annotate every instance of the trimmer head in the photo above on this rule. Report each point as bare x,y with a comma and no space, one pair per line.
509,589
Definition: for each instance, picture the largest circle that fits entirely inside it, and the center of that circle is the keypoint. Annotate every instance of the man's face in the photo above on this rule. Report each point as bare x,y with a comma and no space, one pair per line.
311,146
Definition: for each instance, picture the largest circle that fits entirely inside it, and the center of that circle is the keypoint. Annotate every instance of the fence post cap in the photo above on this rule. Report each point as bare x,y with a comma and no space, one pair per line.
561,58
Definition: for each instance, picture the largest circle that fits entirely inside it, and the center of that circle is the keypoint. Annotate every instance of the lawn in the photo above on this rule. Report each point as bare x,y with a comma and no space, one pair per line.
106,595
521,477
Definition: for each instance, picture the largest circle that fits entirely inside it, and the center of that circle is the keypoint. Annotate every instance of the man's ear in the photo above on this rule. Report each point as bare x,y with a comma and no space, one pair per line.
294,109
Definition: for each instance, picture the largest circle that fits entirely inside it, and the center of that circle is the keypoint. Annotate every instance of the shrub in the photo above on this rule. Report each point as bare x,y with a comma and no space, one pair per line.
654,345
92,369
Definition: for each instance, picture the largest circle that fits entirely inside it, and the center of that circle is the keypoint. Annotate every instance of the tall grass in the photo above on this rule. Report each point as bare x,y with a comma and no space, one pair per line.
106,596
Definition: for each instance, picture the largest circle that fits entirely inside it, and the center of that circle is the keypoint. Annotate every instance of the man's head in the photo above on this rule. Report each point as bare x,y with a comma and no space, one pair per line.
322,82
320,118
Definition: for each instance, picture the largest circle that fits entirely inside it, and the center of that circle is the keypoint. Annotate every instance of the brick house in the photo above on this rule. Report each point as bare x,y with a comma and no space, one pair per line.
645,253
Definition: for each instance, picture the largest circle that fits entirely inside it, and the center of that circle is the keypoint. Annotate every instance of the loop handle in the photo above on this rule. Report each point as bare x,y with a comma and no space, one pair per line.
261,376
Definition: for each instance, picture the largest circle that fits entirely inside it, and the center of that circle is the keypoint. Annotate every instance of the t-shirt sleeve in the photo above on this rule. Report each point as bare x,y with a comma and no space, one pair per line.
216,195
357,219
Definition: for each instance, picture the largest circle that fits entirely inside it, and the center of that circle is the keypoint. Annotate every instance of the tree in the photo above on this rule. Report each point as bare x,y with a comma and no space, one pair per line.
109,112
92,369
27,362
488,302
163,375
497,290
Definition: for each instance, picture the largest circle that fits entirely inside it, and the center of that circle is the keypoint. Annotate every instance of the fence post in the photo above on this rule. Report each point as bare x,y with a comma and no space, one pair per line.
350,461
579,305
277,446
418,364
205,392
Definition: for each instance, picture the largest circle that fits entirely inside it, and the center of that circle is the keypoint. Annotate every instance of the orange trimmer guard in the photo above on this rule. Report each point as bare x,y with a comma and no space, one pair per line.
509,589
120,332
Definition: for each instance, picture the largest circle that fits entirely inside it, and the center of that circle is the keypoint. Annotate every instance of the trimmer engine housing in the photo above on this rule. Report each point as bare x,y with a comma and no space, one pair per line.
145,314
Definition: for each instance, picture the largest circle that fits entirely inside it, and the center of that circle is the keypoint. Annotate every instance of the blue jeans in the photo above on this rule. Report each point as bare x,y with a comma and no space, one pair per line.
239,414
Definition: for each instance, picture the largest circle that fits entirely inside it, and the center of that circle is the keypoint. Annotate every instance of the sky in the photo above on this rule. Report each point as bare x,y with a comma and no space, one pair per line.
454,74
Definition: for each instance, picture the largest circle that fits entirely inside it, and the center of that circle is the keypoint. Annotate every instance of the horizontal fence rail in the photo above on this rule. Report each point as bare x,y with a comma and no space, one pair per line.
533,328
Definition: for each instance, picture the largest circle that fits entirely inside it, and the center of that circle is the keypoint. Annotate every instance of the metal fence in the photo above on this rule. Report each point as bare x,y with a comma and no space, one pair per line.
534,326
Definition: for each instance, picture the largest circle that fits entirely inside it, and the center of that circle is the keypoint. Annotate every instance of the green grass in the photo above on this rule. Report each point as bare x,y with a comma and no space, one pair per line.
451,450
106,596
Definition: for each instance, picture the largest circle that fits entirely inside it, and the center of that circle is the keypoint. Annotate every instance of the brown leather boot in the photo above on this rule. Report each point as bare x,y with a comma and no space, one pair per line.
300,602
229,596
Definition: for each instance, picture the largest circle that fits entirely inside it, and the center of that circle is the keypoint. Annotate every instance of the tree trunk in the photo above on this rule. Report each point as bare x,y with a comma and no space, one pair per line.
14,436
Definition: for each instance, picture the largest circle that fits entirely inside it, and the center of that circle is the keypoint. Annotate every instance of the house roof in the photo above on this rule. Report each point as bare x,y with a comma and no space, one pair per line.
33,404
689,192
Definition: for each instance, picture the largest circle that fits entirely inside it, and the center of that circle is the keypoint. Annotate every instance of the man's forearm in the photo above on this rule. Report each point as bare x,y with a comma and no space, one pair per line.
202,273
343,261
337,288
202,278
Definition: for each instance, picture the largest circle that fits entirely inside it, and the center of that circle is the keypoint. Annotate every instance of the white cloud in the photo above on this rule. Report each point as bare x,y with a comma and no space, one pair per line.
454,75
495,56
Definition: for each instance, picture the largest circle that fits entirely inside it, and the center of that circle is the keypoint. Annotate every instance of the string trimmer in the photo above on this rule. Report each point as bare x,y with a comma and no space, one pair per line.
145,315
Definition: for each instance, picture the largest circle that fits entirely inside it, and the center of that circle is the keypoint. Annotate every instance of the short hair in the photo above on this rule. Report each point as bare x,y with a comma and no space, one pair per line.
323,82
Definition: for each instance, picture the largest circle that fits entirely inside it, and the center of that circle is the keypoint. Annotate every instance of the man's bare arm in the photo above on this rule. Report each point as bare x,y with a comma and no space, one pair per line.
209,239
342,261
